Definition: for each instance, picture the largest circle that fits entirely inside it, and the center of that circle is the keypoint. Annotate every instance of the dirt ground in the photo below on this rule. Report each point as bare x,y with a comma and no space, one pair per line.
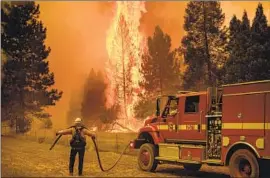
23,158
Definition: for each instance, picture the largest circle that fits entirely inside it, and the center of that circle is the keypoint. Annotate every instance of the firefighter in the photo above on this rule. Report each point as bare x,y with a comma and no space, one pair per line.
77,143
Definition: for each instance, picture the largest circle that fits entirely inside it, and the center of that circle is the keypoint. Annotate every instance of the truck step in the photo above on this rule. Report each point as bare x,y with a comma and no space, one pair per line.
213,161
174,159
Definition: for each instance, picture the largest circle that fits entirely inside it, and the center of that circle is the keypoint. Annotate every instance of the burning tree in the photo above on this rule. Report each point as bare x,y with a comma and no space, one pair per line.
123,76
125,47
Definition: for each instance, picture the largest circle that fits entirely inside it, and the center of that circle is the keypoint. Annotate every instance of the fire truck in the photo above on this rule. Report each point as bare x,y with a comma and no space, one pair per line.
222,126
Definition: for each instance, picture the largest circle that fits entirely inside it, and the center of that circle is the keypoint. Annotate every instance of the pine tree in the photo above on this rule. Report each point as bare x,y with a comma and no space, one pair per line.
234,65
258,64
122,62
123,31
204,45
249,49
93,105
26,87
161,72
93,98
159,68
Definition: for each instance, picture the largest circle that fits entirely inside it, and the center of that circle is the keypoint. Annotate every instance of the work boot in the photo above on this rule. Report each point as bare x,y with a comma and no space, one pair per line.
80,174
71,174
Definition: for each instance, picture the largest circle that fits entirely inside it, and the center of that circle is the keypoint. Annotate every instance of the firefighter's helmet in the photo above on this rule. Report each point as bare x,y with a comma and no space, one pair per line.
78,120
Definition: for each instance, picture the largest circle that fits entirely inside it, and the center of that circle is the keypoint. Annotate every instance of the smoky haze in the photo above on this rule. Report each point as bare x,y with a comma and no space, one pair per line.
76,33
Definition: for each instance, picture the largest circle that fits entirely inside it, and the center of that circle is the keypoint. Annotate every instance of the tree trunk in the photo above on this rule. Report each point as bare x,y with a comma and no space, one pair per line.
124,75
208,60
21,122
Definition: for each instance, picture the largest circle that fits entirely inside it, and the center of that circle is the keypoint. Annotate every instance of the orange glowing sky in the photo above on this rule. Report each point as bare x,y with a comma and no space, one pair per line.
76,33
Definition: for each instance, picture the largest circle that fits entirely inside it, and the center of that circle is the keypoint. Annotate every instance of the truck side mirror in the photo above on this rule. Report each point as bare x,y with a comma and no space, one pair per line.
158,108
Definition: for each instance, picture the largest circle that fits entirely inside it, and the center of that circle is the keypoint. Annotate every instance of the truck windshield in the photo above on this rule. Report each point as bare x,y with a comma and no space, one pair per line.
171,108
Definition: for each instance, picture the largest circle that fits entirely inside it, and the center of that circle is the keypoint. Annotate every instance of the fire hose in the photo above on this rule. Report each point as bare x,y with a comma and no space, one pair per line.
99,162
97,152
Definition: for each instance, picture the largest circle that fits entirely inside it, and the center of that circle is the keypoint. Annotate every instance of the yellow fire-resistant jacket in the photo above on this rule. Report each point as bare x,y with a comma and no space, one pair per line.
71,131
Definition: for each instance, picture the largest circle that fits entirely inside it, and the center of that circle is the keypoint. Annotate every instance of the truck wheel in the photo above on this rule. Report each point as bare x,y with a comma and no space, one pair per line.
192,167
146,157
243,163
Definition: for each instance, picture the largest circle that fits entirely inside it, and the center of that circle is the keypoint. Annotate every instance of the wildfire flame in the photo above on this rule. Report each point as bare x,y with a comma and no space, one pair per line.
125,46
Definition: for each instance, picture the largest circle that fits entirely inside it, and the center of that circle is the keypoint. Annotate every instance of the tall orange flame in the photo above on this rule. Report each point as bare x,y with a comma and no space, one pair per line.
125,46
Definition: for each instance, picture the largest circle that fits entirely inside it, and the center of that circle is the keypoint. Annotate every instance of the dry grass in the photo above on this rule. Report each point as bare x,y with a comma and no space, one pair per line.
24,158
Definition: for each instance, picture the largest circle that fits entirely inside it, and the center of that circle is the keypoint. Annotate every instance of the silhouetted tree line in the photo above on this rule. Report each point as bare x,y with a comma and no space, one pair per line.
218,55
26,82
213,54
91,104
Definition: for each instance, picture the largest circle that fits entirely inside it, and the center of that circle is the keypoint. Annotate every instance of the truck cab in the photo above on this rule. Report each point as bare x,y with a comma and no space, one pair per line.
226,126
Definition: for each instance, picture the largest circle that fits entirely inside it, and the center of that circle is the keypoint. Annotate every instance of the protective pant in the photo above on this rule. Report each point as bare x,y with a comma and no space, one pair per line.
72,157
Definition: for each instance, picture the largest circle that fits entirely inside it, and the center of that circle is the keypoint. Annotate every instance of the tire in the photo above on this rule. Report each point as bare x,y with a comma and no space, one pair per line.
146,157
192,167
243,163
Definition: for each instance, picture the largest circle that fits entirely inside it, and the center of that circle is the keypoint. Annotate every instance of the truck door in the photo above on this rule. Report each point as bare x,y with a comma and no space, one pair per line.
169,118
192,118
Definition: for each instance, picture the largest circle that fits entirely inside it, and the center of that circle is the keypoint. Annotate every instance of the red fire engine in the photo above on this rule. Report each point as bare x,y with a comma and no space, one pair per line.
226,126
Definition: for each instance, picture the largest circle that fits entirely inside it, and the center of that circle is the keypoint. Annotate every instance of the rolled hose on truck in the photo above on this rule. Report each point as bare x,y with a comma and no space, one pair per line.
97,152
